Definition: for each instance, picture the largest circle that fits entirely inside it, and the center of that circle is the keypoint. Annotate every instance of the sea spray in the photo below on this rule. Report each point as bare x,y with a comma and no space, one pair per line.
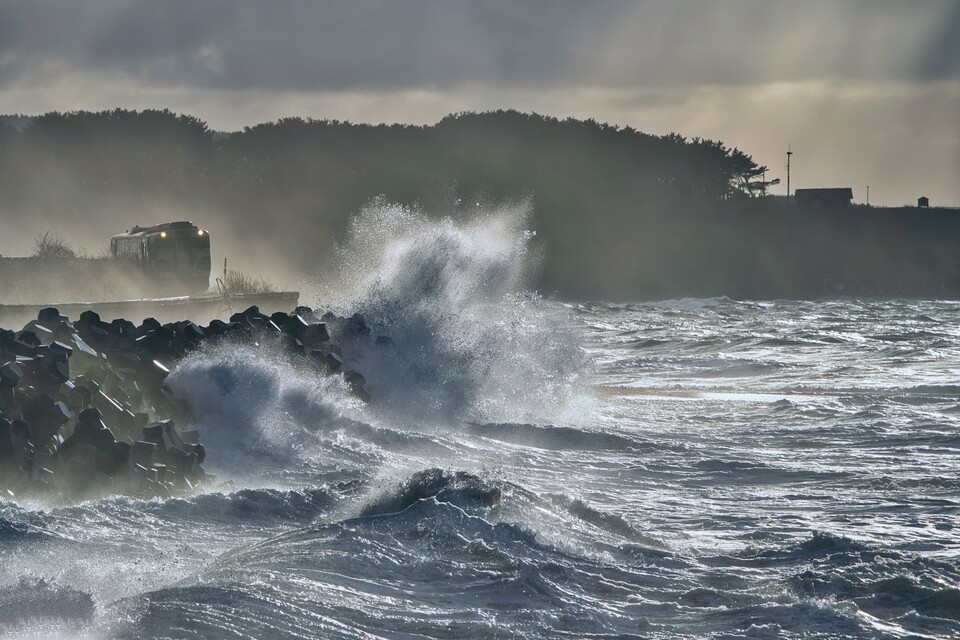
467,340
253,406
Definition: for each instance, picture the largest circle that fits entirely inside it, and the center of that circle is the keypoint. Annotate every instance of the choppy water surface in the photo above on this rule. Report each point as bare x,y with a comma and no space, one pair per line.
699,468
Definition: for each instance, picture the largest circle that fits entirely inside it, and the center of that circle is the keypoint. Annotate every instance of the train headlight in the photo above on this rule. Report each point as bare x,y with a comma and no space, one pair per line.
200,232
163,234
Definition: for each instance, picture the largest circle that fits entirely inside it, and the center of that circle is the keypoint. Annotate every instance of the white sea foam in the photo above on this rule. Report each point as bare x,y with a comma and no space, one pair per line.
255,404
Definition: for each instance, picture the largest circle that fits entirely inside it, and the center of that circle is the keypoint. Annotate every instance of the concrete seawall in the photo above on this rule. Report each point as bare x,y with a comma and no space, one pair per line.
43,280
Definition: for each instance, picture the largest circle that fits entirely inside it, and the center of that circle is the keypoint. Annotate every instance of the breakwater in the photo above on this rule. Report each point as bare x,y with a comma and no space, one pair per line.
84,406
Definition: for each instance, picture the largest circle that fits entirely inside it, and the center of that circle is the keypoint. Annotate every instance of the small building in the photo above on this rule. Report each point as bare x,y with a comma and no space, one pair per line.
838,198
923,201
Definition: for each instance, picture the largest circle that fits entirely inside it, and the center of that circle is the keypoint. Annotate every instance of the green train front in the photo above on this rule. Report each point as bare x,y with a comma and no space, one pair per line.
174,257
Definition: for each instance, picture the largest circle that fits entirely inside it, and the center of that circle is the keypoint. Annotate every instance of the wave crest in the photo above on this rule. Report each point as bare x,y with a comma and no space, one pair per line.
468,341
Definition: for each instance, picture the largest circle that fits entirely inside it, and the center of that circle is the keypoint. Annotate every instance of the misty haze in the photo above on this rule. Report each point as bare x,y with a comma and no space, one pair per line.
494,320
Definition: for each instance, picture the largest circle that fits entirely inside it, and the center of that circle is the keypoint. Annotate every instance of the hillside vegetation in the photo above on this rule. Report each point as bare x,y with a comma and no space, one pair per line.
619,214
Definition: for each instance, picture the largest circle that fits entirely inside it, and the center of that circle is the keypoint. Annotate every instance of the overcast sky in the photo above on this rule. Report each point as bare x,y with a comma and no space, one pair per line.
867,92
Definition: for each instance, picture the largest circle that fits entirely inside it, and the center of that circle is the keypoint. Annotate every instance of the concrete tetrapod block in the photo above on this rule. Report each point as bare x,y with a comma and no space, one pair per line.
314,335
357,385
50,317
30,338
61,349
334,363
10,374
45,418
306,313
42,332
82,345
143,453
59,371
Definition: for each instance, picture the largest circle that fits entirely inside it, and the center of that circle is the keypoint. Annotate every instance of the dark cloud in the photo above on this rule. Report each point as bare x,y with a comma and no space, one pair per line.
942,53
145,30
384,44
306,45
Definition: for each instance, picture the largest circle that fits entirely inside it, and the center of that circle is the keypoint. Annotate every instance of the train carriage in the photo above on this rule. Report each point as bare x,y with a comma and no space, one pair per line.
173,255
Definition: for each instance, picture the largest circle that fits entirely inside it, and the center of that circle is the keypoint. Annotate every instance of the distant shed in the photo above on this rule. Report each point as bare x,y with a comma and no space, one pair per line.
923,201
838,198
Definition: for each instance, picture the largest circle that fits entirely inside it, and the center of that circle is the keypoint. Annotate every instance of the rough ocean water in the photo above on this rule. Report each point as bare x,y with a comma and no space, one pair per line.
534,469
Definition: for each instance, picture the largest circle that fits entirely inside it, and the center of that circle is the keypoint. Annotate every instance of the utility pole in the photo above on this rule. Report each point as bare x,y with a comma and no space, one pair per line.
868,195
789,153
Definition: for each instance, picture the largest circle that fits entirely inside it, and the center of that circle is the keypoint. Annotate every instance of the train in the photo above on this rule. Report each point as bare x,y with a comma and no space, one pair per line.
174,256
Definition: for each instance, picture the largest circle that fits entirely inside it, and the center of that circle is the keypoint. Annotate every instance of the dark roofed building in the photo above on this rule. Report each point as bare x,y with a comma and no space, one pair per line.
923,201
824,198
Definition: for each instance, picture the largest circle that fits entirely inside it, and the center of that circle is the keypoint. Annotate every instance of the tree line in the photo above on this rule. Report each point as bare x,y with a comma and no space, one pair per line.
592,185
619,213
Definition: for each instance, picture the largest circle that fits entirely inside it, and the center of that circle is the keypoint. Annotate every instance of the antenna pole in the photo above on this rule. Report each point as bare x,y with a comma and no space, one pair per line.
789,153
868,195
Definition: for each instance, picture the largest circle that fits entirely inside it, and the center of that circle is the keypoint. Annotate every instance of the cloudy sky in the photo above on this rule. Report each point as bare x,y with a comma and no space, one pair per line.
867,92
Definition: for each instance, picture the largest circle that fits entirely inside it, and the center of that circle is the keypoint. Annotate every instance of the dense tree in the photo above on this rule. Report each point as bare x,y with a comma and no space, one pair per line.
618,213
